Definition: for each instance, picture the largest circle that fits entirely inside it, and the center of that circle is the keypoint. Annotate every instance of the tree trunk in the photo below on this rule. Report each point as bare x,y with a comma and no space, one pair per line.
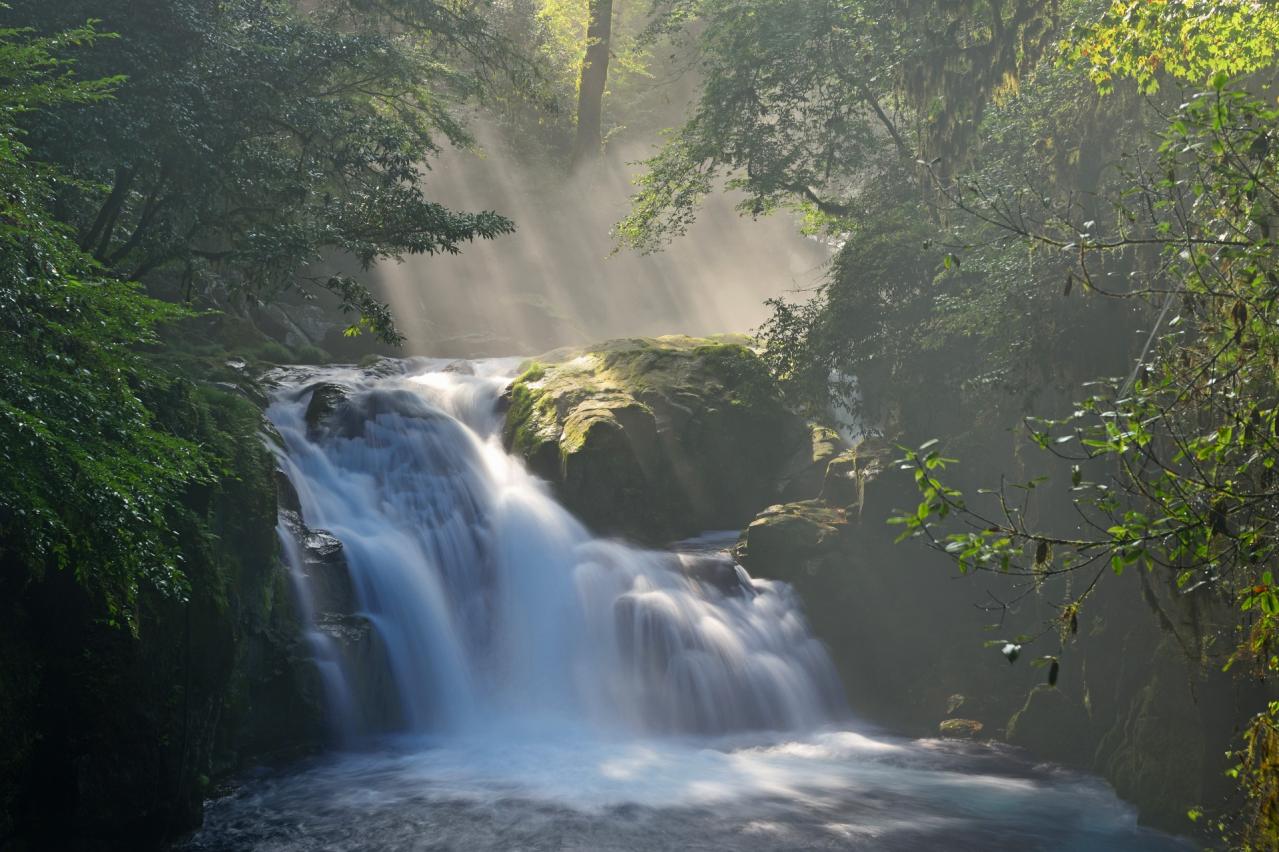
590,99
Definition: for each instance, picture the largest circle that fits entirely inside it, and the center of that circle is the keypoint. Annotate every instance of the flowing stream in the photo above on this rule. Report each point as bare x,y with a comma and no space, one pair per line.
498,678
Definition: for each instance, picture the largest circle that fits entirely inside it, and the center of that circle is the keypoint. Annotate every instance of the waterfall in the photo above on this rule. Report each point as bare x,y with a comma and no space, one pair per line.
553,690
477,602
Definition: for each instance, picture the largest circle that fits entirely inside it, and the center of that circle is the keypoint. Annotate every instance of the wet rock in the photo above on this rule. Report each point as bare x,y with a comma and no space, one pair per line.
346,629
792,539
326,397
462,368
806,471
327,572
720,573
960,729
285,494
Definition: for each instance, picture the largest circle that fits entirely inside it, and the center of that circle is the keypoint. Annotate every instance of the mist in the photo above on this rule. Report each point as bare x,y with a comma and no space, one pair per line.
559,281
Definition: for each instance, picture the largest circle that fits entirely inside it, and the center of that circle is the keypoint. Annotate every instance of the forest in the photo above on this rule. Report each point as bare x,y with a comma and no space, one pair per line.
639,424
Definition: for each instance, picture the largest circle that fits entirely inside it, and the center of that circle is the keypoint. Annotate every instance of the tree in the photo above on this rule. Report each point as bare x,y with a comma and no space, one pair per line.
1164,205
251,140
802,102
1172,462
590,101
88,478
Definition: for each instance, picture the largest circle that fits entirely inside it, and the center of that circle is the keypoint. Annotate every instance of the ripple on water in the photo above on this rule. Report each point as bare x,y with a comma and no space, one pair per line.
836,790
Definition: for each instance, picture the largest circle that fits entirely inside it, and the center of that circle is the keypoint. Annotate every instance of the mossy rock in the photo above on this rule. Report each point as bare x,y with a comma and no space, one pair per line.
960,729
788,540
655,438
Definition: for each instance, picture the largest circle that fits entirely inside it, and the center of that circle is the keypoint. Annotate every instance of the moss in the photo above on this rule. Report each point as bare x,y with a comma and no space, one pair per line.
647,436
272,353
534,372
960,729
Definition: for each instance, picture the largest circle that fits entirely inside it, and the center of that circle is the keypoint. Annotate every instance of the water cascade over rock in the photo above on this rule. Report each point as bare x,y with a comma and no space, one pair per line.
491,605
500,678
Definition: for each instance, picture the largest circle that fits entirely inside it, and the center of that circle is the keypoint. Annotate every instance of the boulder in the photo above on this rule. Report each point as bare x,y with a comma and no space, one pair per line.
789,540
655,438
326,397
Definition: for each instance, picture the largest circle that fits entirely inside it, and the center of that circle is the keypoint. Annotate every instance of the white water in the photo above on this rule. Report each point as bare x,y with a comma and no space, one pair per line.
554,691
498,610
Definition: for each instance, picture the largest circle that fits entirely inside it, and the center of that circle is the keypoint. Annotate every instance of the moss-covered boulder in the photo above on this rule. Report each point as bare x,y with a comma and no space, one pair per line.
788,541
960,729
655,438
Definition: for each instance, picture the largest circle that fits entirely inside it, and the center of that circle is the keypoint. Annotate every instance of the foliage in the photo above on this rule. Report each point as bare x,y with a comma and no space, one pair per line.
1173,463
1050,206
1188,40
88,481
563,28
805,101
250,141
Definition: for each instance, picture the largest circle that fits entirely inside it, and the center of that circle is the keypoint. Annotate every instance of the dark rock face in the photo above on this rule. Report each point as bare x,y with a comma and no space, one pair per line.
111,738
335,614
804,473
323,565
326,397
720,573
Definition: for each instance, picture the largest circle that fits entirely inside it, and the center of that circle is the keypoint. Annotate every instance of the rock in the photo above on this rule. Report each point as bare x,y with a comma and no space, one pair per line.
325,399
806,470
848,473
302,325
321,545
960,729
655,438
844,483
285,494
349,631
719,572
462,368
1052,724
327,575
789,540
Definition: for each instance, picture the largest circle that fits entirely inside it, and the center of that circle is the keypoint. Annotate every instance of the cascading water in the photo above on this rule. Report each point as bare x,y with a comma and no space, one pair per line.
551,690
495,607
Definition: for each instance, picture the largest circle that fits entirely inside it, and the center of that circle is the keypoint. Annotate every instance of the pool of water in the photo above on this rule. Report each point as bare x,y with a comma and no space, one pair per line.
829,790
